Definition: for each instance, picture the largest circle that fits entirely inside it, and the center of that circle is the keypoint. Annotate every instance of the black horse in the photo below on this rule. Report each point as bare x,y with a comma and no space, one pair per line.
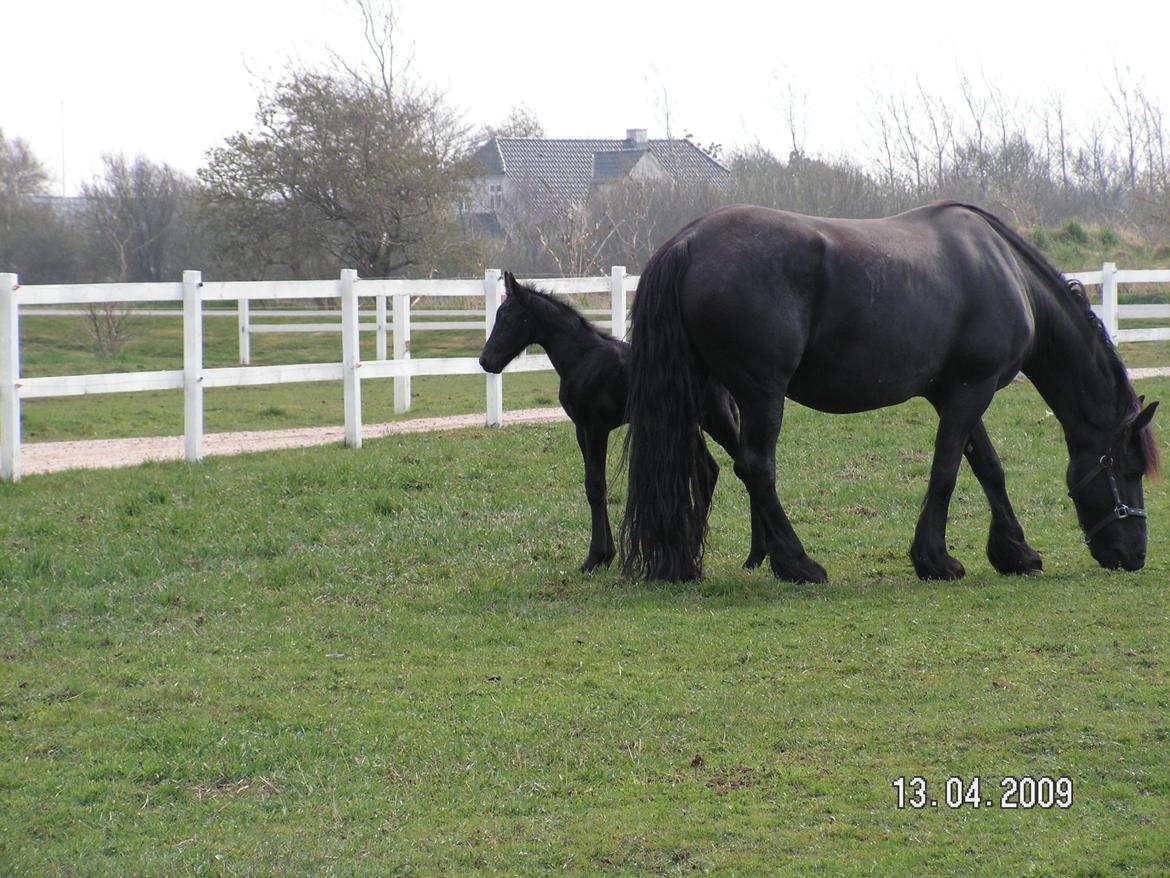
593,368
943,302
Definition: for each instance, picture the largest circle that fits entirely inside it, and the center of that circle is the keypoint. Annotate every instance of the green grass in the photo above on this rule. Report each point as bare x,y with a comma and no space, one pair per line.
383,662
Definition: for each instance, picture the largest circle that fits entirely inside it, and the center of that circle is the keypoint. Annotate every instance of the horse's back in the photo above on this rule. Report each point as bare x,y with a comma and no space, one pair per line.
855,314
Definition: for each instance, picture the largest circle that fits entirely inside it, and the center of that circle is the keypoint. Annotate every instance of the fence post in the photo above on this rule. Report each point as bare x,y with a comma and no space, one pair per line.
351,359
193,366
9,379
379,327
244,316
495,383
1109,299
401,352
617,301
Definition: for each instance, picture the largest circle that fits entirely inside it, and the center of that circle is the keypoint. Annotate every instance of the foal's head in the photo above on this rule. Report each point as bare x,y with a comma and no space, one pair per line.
514,328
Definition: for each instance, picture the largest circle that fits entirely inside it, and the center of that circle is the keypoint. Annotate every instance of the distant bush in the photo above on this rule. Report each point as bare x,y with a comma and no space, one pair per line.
1041,239
1073,232
1109,238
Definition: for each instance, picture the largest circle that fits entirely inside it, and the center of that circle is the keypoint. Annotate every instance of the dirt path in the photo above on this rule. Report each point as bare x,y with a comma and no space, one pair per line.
48,457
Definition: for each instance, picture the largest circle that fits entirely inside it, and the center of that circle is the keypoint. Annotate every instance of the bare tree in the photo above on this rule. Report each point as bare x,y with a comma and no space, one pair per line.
940,124
135,213
135,208
521,122
1126,114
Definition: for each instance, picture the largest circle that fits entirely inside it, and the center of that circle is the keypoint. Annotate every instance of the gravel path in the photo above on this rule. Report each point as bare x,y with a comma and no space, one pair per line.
48,457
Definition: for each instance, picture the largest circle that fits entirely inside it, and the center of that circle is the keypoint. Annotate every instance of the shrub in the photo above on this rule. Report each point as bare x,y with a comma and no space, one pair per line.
1073,232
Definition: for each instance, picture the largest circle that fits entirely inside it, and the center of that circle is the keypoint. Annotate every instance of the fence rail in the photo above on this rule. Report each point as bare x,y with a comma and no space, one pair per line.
193,378
1111,313
392,315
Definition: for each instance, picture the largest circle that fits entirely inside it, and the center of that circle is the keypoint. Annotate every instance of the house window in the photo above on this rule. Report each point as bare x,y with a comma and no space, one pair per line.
496,195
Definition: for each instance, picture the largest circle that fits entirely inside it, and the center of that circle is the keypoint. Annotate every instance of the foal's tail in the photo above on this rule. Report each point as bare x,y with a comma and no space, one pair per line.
665,524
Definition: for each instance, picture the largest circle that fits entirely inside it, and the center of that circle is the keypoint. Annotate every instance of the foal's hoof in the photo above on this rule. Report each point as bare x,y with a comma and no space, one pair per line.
754,559
595,562
945,568
799,570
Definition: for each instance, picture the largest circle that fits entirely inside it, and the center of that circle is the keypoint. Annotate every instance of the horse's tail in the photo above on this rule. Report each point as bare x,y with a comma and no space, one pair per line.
665,524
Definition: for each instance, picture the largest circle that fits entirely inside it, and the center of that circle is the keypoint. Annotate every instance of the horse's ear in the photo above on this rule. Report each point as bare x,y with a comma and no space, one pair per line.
1144,417
511,288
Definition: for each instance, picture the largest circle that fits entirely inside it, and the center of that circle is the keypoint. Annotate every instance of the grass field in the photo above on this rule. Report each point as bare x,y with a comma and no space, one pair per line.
384,662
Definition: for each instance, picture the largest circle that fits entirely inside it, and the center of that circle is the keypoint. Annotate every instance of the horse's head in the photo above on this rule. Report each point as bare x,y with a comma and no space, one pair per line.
513,330
1105,483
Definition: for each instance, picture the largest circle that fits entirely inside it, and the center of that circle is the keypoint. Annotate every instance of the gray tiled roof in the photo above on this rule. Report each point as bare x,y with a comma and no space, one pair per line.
616,164
564,170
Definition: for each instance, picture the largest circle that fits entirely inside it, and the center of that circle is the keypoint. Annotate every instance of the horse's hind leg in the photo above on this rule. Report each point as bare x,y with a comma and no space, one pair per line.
719,420
593,443
755,464
1007,549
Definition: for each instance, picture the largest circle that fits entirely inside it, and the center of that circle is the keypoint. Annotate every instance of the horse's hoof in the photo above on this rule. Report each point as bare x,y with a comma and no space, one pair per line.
754,559
799,570
946,568
1014,558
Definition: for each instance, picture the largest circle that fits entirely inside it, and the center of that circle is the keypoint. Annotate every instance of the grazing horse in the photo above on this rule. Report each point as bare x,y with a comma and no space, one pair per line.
943,302
593,368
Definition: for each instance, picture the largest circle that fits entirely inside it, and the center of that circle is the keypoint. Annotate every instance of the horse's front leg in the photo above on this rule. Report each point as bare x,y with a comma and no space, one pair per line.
594,443
1007,550
958,412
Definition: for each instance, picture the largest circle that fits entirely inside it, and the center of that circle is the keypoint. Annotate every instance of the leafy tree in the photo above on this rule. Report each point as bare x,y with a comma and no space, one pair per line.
21,172
34,242
353,167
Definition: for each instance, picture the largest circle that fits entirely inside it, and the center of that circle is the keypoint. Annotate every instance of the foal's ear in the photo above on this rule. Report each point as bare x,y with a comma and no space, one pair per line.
511,288
1144,417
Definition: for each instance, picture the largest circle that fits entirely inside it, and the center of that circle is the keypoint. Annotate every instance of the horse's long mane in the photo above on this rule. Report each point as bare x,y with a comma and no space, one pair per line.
1070,294
563,309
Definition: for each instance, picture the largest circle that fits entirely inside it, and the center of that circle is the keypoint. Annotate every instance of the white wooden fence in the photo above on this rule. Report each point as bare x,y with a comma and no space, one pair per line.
193,378
1111,312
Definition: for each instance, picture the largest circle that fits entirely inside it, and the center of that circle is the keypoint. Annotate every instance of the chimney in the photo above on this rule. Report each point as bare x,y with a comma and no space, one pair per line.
636,136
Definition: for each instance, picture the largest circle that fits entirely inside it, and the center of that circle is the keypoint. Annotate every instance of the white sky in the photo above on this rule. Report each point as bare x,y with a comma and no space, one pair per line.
171,79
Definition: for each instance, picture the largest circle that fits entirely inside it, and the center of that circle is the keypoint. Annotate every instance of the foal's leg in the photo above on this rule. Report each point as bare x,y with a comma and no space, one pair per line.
958,414
1006,548
594,442
755,464
719,422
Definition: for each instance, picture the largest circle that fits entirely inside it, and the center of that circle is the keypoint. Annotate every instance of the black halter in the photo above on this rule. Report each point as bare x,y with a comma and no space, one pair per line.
1120,510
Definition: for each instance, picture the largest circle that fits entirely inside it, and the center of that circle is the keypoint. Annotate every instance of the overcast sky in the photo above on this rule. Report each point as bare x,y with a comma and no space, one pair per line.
171,79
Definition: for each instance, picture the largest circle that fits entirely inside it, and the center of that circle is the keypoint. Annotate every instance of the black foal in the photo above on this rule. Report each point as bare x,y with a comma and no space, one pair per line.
593,367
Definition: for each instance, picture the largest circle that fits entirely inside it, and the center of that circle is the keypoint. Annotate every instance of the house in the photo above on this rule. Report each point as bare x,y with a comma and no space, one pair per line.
557,174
